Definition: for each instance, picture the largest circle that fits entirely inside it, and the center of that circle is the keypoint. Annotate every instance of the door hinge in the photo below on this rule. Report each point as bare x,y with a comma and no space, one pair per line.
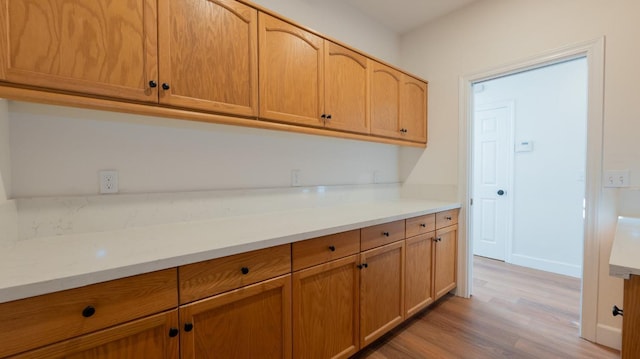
471,202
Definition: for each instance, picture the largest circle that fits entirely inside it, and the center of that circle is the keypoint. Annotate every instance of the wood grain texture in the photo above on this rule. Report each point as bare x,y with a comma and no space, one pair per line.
29,323
631,319
385,100
413,109
376,236
143,338
418,292
317,250
291,63
326,310
381,291
250,322
445,261
420,225
209,55
447,218
514,312
346,86
106,47
207,278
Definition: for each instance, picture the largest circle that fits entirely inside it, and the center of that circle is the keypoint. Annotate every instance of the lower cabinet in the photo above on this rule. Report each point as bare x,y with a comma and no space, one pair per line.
249,322
445,253
326,310
631,319
151,337
381,291
418,263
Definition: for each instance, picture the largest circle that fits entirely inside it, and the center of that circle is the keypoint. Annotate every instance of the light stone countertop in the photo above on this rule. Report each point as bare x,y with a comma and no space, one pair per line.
625,253
48,264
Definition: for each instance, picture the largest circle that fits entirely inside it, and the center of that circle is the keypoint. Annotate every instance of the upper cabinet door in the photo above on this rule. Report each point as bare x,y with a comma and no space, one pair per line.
346,89
291,69
105,47
385,100
413,109
209,55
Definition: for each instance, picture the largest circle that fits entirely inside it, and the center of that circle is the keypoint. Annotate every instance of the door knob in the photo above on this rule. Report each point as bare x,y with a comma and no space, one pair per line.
500,192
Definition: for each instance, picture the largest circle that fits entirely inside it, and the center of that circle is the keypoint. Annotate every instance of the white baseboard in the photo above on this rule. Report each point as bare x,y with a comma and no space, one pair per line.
547,265
609,336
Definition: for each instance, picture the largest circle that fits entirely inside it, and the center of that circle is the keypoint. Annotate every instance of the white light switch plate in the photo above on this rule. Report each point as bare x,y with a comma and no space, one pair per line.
616,178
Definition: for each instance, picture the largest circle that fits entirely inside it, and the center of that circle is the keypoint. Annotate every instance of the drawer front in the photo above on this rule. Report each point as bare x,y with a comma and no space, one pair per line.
204,279
33,322
446,218
420,225
376,236
323,249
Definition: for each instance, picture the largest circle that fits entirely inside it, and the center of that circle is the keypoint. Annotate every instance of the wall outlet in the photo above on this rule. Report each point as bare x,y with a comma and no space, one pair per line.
295,178
108,181
617,178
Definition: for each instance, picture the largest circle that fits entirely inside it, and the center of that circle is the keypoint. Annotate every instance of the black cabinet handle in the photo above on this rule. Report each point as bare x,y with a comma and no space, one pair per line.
332,248
448,218
423,225
153,84
386,234
165,86
328,117
617,311
323,116
244,270
363,265
439,239
173,332
404,130
359,266
434,239
188,327
88,311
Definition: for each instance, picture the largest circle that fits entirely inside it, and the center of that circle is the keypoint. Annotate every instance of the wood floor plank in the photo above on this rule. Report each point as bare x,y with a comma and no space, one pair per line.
514,312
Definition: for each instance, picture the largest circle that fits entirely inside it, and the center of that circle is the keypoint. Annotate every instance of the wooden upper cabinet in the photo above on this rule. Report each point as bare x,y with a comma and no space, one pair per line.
413,109
385,100
346,86
209,55
291,68
106,48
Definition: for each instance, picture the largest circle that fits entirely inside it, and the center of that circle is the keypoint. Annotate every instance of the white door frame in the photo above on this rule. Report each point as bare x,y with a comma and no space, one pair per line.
594,52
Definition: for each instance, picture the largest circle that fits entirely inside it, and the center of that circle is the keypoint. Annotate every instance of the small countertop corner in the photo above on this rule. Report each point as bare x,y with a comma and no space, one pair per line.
625,252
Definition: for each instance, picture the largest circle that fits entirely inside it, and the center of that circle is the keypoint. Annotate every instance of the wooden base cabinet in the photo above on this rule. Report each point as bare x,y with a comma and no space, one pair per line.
381,291
326,310
445,260
152,337
250,322
418,273
631,319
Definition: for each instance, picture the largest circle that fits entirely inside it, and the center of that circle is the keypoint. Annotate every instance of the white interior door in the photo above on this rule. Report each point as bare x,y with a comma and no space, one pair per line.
492,157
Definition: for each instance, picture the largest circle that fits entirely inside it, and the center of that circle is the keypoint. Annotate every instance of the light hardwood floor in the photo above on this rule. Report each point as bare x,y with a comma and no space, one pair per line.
514,312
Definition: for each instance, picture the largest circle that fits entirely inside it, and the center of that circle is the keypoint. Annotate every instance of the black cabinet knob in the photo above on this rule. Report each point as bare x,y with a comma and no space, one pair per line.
448,218
88,311
359,266
434,239
404,130
365,265
153,84
500,192
165,86
423,225
439,239
244,270
323,116
332,248
386,234
328,117
173,332
617,311
188,327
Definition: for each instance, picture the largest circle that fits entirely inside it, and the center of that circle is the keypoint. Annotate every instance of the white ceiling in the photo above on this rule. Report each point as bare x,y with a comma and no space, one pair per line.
401,16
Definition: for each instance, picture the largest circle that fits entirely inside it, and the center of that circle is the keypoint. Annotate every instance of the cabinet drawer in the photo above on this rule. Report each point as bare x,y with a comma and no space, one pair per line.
323,249
376,236
446,218
204,279
420,225
45,319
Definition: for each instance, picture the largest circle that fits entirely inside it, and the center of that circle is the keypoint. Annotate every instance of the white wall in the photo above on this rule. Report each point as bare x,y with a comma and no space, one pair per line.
550,111
58,151
5,152
491,33
341,21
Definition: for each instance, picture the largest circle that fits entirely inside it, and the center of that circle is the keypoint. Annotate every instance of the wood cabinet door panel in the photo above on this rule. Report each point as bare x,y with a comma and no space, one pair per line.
413,109
291,70
346,86
250,322
106,47
631,319
144,338
418,274
381,291
445,260
326,310
209,55
385,100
